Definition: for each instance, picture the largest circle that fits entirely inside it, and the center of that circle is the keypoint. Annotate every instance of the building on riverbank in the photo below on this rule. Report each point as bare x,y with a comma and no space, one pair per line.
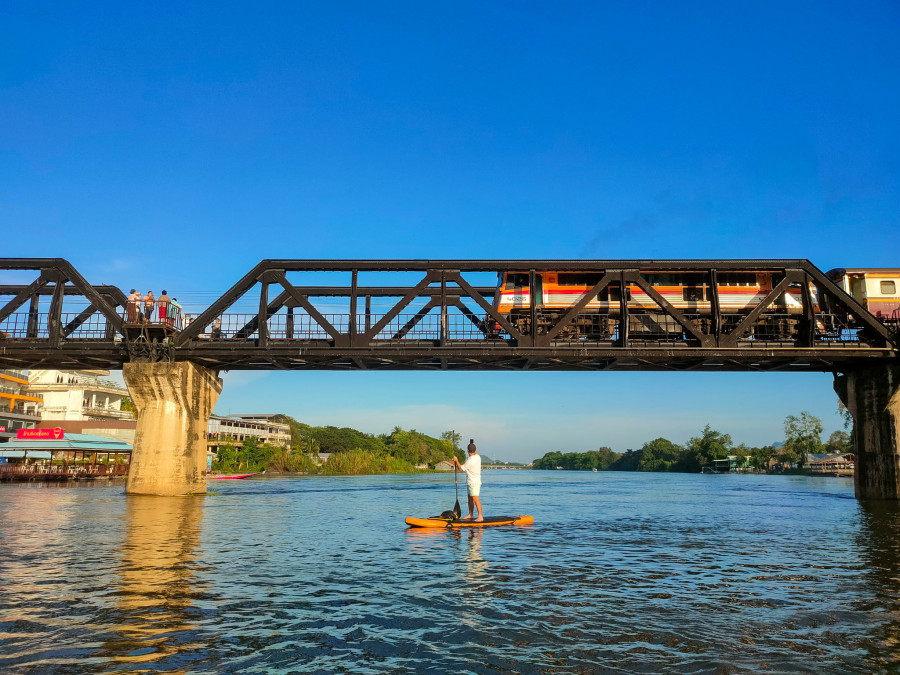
233,430
78,395
733,464
19,408
831,464
70,457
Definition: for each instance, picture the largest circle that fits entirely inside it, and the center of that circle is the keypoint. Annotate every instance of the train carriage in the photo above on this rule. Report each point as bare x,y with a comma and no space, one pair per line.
878,290
688,291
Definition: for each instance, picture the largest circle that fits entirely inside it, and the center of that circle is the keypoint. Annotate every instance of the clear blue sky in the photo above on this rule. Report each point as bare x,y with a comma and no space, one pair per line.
173,145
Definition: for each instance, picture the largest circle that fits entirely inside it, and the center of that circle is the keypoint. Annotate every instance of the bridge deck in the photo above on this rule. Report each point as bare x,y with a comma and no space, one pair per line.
442,320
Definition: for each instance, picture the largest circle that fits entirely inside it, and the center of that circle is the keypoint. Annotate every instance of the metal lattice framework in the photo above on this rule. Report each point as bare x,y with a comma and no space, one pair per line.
435,316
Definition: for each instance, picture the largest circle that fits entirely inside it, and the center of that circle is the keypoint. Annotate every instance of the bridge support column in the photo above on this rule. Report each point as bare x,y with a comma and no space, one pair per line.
173,402
873,398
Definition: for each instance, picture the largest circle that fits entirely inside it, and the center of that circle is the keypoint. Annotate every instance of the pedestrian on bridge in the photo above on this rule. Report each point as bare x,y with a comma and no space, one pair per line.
176,313
149,302
133,306
163,304
472,467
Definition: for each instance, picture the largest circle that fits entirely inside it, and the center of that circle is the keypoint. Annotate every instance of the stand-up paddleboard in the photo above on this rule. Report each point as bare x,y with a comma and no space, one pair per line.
437,521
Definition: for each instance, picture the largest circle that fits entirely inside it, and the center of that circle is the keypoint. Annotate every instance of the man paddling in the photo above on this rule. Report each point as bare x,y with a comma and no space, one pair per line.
472,467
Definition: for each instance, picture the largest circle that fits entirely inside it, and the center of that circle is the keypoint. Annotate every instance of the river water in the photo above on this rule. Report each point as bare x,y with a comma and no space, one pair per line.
621,572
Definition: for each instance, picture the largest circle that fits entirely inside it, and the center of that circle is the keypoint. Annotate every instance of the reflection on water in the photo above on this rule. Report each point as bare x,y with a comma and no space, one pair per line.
879,542
156,581
619,573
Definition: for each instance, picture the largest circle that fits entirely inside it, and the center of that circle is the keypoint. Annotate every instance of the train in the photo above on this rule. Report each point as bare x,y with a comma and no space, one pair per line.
738,292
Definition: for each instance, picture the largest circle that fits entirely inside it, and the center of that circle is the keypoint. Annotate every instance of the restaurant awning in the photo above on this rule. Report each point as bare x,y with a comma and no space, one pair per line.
85,442
20,454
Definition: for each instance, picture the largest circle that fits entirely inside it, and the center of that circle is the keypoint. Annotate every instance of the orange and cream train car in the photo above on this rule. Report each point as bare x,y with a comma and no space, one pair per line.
689,292
878,290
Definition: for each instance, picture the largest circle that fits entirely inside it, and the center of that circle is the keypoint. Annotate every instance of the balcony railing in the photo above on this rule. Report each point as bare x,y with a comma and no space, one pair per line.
107,412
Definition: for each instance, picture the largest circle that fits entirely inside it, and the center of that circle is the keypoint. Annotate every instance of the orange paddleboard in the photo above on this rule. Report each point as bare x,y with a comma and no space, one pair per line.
437,521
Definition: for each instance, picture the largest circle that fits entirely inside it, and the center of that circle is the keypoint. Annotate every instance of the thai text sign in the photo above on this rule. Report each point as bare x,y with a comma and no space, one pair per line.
40,434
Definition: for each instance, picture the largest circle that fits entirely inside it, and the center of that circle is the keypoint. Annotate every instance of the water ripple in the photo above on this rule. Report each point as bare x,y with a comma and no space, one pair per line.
621,573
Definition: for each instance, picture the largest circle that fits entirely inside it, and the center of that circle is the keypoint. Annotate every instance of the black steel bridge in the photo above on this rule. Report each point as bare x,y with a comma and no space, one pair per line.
441,315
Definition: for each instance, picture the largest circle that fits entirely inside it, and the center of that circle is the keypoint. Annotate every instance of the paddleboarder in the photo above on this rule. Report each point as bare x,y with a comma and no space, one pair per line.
472,467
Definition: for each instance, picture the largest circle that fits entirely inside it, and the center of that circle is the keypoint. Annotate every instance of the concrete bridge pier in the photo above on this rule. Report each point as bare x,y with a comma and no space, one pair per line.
872,396
173,402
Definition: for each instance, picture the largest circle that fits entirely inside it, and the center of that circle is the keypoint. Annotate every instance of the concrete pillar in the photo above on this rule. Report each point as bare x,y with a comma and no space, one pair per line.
872,396
173,402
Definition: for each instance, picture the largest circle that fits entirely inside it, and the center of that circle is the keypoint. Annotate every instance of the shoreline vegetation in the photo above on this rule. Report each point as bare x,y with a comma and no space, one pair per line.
351,452
802,437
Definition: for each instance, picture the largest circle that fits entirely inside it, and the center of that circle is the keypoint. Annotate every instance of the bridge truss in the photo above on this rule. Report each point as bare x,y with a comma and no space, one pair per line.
441,315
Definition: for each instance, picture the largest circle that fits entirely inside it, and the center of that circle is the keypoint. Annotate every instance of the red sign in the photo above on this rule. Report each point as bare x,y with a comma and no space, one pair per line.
2,428
40,434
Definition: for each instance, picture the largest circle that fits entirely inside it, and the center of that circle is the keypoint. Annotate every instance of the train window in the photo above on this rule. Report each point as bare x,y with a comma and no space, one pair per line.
692,294
516,281
888,288
579,279
736,279
662,280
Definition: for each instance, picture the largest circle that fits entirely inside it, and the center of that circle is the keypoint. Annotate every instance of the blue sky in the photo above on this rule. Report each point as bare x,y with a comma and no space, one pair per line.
172,146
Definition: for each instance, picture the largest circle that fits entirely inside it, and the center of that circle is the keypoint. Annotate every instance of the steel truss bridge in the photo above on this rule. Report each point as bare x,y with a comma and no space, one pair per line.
440,315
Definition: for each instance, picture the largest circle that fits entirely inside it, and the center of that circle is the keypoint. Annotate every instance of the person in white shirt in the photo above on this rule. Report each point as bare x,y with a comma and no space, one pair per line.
472,467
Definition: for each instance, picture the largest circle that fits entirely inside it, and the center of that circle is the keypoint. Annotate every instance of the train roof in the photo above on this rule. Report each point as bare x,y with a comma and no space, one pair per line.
838,272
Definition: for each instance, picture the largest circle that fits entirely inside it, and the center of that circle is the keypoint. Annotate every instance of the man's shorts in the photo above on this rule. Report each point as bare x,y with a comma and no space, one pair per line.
474,488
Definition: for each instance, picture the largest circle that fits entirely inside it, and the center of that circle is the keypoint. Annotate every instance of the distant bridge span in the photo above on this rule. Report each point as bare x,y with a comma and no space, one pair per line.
662,315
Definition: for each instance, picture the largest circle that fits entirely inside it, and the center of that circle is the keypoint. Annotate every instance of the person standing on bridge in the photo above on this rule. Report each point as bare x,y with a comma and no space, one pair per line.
163,304
175,307
149,302
472,467
134,304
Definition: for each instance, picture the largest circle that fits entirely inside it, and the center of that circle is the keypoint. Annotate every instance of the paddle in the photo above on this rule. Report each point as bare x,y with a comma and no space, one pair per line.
456,509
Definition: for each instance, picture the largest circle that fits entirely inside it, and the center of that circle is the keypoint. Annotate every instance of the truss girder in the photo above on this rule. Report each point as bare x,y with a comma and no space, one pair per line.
392,339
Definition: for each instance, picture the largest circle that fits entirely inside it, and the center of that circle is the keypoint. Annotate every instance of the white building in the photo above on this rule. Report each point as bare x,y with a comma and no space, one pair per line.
234,429
78,395
19,409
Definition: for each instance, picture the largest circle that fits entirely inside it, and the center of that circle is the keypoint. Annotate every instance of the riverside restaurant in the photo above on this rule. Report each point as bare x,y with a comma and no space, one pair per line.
70,457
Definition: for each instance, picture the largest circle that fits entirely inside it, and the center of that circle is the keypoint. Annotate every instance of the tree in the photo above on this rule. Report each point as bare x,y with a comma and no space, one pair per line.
605,458
550,460
127,405
839,441
628,461
701,451
454,439
760,457
659,454
802,436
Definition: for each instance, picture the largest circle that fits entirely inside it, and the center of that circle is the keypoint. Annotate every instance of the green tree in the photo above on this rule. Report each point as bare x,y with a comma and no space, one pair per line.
760,457
701,451
454,438
550,460
605,458
660,454
803,435
627,461
127,405
839,441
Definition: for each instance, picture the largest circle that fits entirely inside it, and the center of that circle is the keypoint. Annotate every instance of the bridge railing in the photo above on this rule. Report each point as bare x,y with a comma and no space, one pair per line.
73,326
644,327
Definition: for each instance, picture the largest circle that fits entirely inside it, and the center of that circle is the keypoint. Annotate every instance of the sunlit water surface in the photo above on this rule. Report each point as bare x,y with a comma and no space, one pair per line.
621,572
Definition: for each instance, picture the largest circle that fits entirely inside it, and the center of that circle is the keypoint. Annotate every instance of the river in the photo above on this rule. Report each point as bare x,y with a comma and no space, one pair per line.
621,572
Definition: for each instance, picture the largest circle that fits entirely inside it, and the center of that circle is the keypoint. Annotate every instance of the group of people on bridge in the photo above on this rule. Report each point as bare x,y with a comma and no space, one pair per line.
141,309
